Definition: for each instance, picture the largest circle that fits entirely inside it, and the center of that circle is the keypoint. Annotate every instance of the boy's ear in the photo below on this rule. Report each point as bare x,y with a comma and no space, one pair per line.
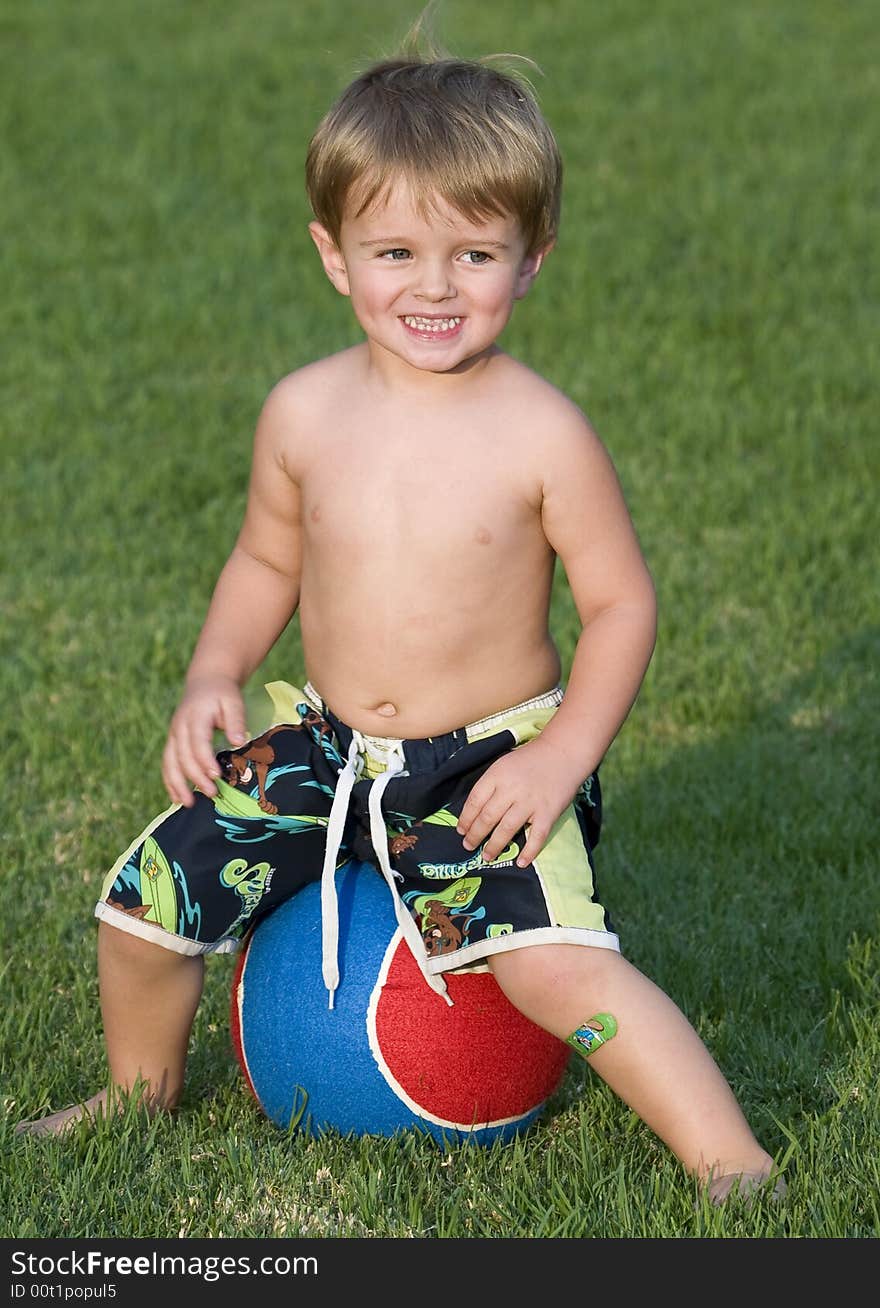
529,269
331,257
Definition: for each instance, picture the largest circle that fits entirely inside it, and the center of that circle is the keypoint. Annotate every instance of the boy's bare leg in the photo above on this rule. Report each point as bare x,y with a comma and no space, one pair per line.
656,1062
149,997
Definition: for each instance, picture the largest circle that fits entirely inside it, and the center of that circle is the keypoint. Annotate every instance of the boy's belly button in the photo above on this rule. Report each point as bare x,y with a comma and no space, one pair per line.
387,710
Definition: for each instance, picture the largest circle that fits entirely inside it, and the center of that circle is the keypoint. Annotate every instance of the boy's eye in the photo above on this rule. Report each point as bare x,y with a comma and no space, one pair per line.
477,256
396,256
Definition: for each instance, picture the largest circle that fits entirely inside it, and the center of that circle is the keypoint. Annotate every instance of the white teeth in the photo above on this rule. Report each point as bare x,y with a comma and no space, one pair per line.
431,324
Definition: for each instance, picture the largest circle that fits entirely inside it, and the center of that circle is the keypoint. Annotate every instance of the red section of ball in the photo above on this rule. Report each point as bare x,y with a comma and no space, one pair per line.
477,1061
235,1019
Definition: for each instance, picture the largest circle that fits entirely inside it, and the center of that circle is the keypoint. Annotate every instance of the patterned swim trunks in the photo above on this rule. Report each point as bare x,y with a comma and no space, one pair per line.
310,794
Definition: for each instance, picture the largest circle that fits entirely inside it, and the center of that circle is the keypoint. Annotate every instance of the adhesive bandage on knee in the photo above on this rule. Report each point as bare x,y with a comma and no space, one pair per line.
595,1031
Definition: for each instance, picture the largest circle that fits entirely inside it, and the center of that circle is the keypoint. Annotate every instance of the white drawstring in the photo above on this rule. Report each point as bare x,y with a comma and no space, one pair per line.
405,921
379,836
329,904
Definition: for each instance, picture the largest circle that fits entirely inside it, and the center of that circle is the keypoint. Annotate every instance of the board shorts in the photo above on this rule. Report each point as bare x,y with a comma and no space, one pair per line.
310,795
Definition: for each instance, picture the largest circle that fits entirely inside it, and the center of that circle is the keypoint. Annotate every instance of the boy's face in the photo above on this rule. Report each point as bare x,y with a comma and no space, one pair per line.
433,291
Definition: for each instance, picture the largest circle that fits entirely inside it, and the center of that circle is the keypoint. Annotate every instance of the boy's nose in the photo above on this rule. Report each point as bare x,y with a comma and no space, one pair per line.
434,282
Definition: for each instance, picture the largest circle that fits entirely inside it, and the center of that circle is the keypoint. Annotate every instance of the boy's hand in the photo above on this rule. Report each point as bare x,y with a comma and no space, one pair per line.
208,703
530,787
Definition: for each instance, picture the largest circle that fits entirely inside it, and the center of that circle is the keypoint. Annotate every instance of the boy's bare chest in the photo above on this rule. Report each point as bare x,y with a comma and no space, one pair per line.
428,491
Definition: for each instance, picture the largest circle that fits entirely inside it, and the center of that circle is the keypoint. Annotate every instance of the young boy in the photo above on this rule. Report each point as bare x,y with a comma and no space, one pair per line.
409,497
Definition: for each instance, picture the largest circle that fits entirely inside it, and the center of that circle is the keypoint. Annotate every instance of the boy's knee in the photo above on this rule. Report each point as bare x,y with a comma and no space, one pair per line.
557,986
552,965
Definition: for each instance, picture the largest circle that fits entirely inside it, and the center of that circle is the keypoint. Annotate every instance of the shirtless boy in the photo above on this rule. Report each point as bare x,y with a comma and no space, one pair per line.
408,498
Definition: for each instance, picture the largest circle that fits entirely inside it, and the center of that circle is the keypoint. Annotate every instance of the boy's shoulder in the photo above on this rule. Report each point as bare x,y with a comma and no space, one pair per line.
302,404
300,407
535,403
537,417
550,437
314,384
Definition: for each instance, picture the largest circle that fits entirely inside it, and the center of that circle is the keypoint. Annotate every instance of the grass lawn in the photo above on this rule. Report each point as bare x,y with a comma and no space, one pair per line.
713,307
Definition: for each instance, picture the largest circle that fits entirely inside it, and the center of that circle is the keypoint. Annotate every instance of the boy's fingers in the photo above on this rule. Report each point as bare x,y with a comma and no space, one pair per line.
199,763
535,842
193,760
473,805
175,781
231,721
202,778
479,828
504,832
487,821
197,756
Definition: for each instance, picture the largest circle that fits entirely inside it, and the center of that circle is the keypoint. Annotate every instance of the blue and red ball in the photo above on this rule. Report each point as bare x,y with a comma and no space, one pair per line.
391,1055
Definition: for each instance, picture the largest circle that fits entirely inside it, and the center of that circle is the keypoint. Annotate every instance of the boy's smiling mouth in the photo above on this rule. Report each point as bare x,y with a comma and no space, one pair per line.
431,327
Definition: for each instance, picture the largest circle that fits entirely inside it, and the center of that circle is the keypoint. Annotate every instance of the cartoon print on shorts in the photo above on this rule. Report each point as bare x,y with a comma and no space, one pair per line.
588,791
473,863
240,829
443,918
321,732
399,844
157,879
444,817
402,842
250,883
160,885
255,761
496,929
243,807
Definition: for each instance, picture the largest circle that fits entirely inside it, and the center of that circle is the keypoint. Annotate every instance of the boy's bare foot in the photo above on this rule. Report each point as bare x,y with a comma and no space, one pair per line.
744,1185
66,1118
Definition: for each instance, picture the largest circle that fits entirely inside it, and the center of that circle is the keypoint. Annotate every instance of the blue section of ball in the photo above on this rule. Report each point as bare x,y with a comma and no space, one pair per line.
297,1049
312,1066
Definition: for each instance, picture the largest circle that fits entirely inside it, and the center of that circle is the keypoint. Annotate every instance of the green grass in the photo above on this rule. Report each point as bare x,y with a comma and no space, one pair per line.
713,306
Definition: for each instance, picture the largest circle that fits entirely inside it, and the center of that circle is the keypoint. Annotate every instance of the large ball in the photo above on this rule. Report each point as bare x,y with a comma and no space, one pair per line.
391,1055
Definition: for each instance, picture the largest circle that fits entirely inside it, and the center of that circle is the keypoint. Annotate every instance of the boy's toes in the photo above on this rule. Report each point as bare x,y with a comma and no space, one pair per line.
64,1120
52,1124
746,1186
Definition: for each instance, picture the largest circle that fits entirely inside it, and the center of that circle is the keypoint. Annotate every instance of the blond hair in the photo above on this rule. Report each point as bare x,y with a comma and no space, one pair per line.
461,130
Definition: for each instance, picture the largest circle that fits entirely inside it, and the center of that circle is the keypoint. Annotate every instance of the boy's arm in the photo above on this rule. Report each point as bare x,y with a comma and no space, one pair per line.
255,597
586,521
